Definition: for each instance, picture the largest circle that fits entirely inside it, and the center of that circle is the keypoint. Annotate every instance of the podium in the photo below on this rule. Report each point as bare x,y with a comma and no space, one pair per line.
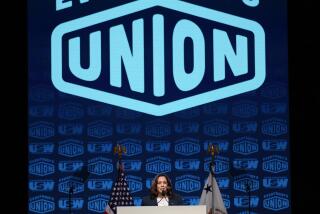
201,209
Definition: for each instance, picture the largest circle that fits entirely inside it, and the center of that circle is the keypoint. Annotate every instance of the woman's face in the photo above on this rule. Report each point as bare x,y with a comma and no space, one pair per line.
162,184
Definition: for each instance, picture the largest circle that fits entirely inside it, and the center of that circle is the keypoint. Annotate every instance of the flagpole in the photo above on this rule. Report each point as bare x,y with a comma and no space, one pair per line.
120,195
212,149
119,150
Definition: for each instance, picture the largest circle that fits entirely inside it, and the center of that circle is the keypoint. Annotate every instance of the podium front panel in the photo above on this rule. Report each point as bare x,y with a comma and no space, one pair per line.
201,209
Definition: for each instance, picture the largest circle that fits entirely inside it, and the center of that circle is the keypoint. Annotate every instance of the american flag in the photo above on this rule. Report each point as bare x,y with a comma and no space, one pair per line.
120,195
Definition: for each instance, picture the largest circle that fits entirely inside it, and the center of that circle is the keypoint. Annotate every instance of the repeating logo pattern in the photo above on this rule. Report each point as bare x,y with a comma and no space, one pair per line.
256,162
245,163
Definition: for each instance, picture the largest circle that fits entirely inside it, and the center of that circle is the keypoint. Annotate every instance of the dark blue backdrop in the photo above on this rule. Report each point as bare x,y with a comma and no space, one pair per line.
71,138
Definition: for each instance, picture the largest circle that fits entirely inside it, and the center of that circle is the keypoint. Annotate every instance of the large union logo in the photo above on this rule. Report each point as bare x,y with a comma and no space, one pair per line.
155,79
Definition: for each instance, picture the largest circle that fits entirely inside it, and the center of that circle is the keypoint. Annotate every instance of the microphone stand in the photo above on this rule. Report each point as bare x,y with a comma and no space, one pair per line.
236,172
83,174
71,188
248,188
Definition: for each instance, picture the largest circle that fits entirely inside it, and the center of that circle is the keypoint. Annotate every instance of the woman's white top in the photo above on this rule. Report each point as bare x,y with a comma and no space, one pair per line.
163,201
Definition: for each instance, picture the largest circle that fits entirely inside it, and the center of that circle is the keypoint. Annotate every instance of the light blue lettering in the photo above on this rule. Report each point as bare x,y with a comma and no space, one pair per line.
251,3
62,4
158,55
133,61
94,70
222,49
187,81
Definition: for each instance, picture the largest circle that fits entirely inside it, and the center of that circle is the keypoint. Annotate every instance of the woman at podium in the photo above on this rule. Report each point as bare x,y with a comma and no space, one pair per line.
161,193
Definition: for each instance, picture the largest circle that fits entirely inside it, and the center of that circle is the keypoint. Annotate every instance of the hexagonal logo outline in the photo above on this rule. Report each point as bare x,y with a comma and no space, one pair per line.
173,106
187,179
186,142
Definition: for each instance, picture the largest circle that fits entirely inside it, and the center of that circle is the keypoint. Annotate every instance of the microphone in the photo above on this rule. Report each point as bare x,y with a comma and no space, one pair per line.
164,192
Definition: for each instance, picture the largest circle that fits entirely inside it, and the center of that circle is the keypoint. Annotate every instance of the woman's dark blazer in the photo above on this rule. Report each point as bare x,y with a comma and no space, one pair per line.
150,200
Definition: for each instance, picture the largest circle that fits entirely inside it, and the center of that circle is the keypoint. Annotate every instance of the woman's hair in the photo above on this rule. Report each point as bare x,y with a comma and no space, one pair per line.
154,190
